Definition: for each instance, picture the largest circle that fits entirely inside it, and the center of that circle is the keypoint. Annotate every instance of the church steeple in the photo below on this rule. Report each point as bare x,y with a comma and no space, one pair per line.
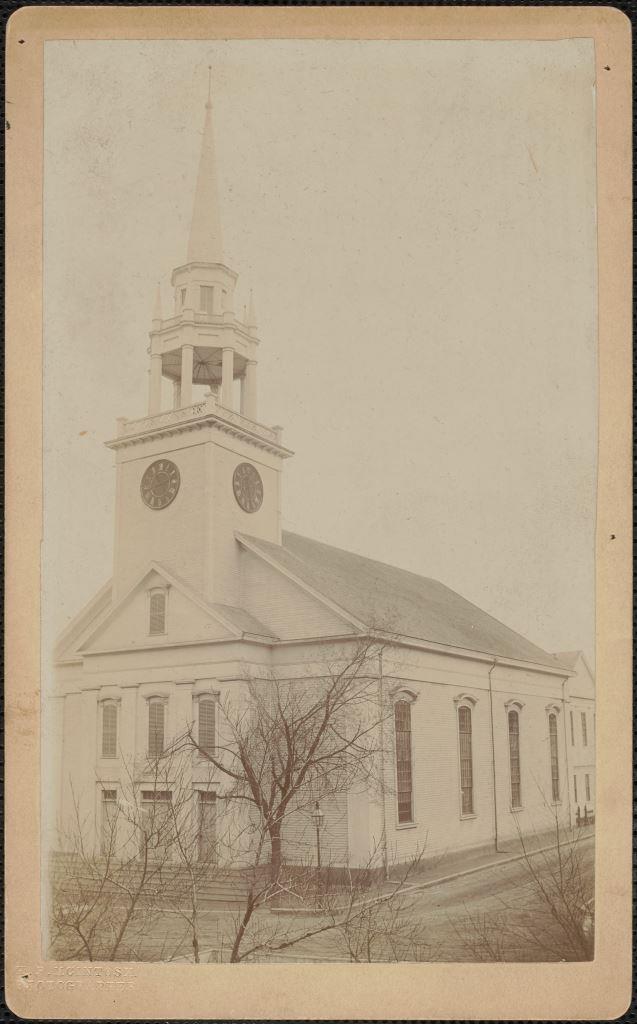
205,241
191,475
204,342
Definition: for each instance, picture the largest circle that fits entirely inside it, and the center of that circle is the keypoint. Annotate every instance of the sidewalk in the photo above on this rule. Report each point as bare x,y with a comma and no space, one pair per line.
458,864
445,867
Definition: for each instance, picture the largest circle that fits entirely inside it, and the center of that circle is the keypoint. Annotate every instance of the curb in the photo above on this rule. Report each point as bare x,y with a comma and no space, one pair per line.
411,886
443,879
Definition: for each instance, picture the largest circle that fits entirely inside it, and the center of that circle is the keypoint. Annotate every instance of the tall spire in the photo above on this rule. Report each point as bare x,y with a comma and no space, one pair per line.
204,244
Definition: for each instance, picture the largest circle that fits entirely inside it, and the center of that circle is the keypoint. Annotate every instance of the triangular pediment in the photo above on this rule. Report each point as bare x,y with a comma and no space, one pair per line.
188,619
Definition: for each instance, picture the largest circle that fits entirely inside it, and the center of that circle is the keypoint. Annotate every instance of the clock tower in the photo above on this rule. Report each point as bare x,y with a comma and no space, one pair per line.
193,474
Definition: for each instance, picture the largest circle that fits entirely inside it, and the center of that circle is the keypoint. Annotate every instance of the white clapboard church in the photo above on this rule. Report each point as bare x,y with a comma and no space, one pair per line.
489,731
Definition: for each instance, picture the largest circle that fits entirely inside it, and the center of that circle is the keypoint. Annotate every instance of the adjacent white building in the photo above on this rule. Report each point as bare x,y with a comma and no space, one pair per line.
489,732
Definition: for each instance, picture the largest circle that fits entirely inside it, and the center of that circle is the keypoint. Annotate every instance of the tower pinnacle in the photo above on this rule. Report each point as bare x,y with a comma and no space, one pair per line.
204,244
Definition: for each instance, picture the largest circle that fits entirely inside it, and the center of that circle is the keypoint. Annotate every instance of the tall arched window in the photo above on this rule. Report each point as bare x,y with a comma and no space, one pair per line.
156,709
109,729
466,760
514,758
404,781
555,763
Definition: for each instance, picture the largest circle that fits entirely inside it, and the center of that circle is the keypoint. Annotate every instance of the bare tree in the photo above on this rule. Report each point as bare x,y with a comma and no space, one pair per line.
288,740
107,898
551,915
285,742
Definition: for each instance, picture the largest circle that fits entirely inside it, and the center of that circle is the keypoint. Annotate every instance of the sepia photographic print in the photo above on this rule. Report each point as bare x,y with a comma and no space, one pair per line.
319,663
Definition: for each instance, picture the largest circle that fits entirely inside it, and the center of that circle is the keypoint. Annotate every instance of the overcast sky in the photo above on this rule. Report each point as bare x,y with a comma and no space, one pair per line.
417,223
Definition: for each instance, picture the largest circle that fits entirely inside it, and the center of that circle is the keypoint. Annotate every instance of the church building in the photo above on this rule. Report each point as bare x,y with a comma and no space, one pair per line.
489,733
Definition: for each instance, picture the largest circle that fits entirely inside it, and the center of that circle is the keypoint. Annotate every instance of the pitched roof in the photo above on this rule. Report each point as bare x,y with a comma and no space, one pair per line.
568,658
384,597
243,620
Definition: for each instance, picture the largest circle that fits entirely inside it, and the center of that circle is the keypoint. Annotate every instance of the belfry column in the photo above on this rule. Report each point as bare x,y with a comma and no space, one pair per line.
186,375
227,377
154,377
250,392
154,396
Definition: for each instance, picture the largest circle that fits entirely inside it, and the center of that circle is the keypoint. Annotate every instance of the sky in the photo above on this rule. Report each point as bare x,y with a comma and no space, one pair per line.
417,223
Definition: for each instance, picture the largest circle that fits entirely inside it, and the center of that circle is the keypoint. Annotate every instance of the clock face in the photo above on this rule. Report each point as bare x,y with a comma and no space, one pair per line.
160,484
248,487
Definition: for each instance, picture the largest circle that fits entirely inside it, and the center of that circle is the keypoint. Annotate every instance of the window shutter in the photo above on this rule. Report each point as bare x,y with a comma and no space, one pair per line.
158,612
109,730
584,730
109,822
155,728
207,725
207,826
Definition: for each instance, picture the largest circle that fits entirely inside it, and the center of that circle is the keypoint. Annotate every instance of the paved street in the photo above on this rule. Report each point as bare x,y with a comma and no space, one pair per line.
491,914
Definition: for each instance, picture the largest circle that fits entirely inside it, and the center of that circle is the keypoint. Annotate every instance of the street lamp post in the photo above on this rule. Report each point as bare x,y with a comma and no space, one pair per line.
317,818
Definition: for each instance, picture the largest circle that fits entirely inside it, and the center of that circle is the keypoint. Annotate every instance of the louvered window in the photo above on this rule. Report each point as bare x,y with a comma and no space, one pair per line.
207,826
207,299
514,758
587,785
156,728
402,721
157,612
108,832
206,735
584,730
572,730
555,764
109,730
466,760
575,787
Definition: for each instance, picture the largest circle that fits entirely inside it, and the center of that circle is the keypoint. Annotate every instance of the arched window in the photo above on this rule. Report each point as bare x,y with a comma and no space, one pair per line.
555,763
109,729
157,612
156,711
514,758
404,780
466,760
206,725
